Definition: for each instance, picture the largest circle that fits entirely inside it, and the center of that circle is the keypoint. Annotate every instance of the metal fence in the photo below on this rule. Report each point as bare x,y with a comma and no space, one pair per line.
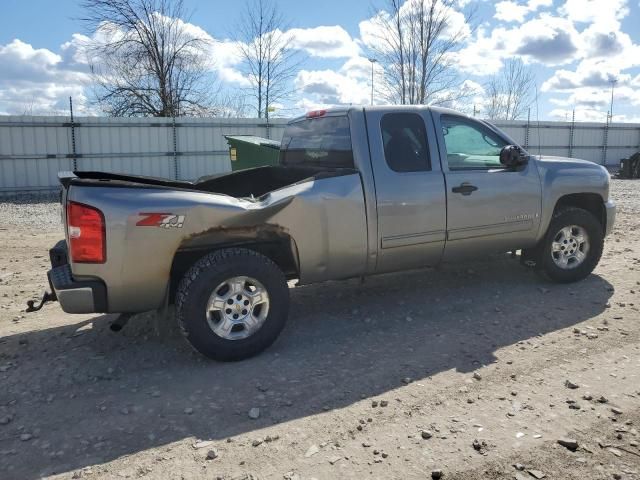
34,149
603,143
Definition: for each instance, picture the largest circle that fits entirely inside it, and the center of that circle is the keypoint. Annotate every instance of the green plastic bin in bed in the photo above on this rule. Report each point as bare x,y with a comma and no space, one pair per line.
247,151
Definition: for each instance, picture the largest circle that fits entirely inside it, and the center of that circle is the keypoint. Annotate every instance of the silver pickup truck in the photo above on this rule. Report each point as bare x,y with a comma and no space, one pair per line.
358,191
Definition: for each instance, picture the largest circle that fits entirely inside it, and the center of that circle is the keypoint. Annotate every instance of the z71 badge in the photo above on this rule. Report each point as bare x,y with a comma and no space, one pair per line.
162,220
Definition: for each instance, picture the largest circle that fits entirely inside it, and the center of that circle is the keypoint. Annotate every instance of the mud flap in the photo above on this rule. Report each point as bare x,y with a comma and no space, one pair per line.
529,256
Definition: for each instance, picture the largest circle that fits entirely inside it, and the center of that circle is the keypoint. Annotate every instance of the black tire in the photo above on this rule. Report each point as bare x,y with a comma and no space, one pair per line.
199,283
565,217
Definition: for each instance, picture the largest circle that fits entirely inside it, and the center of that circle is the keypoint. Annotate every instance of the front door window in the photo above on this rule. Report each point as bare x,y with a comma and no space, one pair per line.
470,145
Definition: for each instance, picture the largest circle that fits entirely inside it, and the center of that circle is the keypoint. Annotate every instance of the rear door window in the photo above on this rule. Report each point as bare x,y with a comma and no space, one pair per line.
321,142
405,142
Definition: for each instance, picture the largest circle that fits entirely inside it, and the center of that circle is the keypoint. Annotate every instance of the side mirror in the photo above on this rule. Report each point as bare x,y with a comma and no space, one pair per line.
512,156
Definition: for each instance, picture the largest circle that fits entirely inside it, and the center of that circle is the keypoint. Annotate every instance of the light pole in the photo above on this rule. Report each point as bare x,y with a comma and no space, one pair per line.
372,60
613,85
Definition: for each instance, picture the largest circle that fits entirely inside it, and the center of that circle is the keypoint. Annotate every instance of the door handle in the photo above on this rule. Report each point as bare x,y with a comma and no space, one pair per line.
465,189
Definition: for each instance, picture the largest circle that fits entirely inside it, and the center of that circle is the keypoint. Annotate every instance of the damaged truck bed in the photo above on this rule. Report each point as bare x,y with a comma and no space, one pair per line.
171,223
358,191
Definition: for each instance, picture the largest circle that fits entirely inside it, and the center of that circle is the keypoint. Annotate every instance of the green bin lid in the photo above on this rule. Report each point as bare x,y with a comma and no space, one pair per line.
251,139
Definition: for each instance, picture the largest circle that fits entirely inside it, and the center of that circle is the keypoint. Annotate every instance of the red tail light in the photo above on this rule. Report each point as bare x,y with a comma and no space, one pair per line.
86,228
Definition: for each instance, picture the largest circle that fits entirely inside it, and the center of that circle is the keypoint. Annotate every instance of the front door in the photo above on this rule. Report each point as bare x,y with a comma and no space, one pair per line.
490,208
411,202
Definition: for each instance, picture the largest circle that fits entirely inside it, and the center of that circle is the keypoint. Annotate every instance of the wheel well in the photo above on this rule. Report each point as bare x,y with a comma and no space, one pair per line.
591,202
282,252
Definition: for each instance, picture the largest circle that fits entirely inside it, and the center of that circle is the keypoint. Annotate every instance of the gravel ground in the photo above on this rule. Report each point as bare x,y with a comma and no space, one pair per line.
476,370
38,210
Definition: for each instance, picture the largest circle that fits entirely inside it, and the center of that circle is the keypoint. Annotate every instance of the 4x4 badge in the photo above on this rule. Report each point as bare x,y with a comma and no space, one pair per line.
162,220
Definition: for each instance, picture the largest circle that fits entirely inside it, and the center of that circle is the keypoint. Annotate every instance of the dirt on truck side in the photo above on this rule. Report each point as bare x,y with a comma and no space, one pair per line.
477,371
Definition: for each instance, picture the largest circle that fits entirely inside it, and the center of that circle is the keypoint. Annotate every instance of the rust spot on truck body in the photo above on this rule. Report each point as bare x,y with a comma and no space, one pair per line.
235,234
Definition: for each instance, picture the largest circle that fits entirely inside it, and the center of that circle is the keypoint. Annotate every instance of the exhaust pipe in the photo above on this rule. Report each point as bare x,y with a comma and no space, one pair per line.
119,323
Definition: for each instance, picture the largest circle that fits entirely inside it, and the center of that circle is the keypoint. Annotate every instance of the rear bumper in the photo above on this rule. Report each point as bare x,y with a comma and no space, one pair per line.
611,216
75,296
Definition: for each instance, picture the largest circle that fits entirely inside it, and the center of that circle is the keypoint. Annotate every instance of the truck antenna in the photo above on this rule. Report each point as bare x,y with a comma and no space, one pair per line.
538,122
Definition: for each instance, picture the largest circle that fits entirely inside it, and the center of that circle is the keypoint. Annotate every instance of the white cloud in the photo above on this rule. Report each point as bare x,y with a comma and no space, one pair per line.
604,43
584,37
477,101
626,95
324,41
306,104
597,101
360,68
74,53
374,34
328,87
587,75
547,39
591,115
511,11
603,12
39,81
371,31
584,97
222,56
20,60
226,60
581,115
484,55
601,47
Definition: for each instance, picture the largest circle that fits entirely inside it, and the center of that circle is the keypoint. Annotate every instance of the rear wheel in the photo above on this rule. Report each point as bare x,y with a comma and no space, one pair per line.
572,246
232,304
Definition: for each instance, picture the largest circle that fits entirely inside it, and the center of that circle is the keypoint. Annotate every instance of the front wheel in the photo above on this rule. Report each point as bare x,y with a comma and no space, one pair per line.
232,304
572,246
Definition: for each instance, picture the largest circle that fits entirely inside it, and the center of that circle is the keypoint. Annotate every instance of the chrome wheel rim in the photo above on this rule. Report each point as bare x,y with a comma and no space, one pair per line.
237,308
570,247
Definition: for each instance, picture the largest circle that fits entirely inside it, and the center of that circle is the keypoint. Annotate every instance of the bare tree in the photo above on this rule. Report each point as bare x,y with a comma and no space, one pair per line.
268,62
510,92
415,44
232,104
145,59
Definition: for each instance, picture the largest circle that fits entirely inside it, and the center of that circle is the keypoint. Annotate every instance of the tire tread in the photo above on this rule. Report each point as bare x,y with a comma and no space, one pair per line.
541,261
211,262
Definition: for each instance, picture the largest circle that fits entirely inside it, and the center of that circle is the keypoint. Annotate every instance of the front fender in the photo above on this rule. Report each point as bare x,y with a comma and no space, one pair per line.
563,177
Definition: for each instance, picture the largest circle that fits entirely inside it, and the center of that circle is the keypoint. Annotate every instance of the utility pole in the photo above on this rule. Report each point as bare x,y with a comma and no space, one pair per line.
373,61
73,136
613,85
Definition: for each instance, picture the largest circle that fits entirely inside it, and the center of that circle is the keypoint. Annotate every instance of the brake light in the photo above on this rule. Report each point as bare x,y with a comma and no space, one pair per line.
316,114
87,238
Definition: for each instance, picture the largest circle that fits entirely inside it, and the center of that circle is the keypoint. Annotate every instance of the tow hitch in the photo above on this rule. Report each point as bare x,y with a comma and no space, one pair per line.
47,297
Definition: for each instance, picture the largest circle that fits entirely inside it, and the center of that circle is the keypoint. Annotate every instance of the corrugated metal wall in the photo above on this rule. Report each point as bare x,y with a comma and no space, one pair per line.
34,149
597,142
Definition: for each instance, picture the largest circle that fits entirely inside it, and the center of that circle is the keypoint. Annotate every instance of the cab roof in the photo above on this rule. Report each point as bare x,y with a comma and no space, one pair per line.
335,111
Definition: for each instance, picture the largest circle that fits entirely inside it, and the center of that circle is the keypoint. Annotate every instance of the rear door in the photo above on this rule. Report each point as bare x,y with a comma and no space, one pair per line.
409,185
490,208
